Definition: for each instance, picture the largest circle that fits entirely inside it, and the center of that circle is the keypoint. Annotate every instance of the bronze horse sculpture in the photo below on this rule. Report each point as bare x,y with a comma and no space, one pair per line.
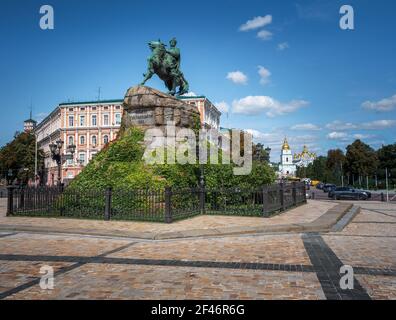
166,65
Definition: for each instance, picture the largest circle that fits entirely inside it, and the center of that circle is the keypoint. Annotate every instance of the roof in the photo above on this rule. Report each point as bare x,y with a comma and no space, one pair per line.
191,97
90,102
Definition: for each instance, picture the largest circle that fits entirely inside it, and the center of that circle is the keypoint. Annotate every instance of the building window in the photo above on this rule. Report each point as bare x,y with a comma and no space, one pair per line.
71,121
287,159
94,108
82,158
105,119
106,108
118,119
70,109
94,141
117,107
82,139
94,120
71,140
82,121
105,139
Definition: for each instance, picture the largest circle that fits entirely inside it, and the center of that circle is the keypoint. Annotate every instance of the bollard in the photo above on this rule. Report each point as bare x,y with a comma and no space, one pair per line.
382,197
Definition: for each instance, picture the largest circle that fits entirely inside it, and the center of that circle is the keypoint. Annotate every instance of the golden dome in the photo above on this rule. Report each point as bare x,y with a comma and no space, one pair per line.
285,145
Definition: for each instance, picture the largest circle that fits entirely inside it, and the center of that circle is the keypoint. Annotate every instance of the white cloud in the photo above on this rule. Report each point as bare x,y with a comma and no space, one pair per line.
383,105
372,125
264,35
378,124
256,22
222,106
305,126
340,126
189,94
264,75
282,46
362,136
337,135
253,105
237,77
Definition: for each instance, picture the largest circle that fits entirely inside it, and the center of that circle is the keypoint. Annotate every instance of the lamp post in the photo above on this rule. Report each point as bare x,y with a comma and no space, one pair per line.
9,176
56,154
201,168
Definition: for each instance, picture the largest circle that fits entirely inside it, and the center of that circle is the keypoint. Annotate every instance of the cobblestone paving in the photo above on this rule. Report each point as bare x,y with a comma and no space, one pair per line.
302,214
239,249
276,266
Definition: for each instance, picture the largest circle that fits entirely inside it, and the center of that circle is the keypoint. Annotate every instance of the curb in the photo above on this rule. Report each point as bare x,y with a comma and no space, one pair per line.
325,223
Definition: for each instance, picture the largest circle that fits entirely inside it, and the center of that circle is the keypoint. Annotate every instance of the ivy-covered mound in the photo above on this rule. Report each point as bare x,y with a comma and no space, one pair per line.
138,188
120,165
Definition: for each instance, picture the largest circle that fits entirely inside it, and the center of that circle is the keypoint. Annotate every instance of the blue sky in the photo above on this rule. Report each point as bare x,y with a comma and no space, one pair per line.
304,77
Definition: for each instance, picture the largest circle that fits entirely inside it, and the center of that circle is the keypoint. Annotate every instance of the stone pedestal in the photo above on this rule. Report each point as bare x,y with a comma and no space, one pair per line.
146,108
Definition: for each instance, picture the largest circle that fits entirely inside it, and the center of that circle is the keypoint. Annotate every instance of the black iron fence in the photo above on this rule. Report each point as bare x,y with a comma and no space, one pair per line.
3,192
165,205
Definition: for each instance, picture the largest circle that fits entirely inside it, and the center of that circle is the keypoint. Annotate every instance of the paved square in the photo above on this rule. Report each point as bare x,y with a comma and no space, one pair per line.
262,266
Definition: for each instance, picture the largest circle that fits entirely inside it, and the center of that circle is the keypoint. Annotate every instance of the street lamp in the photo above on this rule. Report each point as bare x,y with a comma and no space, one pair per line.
201,167
56,154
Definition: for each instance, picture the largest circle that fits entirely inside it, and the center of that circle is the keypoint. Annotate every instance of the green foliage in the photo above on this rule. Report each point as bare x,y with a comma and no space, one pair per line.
361,159
120,165
19,156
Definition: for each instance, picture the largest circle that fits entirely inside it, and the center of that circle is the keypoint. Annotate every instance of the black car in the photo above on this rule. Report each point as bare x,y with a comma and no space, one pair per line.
328,187
349,193
320,185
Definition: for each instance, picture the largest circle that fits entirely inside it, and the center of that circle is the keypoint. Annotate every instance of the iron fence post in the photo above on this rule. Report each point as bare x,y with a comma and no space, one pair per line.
294,193
202,199
22,198
282,198
107,214
10,200
305,192
265,202
168,205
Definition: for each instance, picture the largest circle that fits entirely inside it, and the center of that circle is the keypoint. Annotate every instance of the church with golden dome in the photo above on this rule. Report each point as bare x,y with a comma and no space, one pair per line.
289,163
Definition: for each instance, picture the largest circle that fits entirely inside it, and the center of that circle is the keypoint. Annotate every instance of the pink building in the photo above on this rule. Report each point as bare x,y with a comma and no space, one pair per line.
90,126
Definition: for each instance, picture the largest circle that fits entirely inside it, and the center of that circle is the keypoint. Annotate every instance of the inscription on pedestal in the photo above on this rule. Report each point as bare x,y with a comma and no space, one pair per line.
142,117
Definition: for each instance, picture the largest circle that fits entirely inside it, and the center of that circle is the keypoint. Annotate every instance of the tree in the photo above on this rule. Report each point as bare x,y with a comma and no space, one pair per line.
335,164
361,160
316,170
18,157
387,156
387,161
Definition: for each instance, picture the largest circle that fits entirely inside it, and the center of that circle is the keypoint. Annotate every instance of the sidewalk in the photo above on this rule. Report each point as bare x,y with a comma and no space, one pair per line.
314,216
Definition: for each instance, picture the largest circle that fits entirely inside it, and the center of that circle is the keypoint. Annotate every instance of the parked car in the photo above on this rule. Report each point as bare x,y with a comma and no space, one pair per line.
328,187
320,186
349,193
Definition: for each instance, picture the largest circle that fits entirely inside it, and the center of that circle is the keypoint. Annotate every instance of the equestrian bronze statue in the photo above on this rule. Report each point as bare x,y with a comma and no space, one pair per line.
165,63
